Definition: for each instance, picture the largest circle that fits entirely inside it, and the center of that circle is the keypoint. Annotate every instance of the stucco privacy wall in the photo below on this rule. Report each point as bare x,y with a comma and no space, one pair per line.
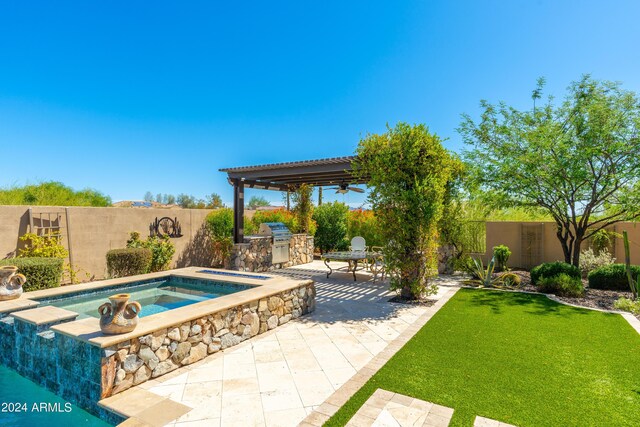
94,231
532,243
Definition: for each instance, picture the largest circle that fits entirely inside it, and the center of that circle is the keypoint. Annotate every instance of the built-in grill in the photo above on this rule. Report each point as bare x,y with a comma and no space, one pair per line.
281,240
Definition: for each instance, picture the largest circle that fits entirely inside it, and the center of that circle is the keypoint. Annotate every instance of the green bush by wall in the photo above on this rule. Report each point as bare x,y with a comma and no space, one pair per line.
562,285
552,269
41,273
128,262
612,277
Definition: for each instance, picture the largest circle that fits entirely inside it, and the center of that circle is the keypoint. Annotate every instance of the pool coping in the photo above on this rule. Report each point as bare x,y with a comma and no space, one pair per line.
88,329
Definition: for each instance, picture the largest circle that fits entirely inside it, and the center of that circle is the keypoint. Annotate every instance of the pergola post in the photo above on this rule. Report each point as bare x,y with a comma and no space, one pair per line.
238,211
319,196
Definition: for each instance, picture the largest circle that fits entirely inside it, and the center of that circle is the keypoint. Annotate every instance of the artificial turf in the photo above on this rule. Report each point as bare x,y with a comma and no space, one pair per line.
518,358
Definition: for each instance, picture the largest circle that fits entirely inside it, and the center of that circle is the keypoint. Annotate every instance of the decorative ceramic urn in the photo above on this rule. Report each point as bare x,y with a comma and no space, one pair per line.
10,282
119,316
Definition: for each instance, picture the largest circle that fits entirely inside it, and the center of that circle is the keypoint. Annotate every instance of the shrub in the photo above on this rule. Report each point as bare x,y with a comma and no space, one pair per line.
280,215
591,260
220,226
162,250
552,269
612,277
41,272
220,223
625,304
562,284
128,262
284,216
364,223
501,253
332,226
47,246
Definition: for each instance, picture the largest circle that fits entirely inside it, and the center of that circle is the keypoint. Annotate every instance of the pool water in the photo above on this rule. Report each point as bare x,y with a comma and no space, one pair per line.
37,406
154,297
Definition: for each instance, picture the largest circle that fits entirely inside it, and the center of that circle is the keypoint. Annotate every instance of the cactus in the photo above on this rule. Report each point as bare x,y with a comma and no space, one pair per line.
633,283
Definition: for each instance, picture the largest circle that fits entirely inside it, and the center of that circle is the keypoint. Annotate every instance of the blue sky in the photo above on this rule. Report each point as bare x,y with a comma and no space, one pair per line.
127,97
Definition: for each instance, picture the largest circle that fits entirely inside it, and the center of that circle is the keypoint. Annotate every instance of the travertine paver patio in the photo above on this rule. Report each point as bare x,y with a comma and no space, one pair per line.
387,409
278,378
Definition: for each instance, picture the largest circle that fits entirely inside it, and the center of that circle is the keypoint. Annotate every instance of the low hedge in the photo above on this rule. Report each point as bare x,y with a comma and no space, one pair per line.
553,269
41,273
562,285
128,262
612,277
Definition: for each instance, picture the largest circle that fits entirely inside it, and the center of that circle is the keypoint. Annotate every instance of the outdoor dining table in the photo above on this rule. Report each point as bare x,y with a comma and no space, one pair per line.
352,257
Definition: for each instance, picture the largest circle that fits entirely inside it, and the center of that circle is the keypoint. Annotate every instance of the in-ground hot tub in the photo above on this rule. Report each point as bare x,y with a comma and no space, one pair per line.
155,296
53,336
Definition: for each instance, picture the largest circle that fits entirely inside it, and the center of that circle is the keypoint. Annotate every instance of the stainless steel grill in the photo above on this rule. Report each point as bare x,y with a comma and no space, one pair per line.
281,240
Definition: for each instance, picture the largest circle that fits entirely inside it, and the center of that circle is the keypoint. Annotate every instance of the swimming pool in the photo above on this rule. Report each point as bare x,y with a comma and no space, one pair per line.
155,296
24,403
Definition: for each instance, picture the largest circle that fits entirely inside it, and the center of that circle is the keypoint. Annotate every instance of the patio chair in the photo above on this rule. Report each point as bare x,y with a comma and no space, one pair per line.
358,244
377,265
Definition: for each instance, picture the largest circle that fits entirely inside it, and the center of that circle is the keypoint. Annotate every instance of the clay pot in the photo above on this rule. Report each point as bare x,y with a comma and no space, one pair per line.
10,282
119,316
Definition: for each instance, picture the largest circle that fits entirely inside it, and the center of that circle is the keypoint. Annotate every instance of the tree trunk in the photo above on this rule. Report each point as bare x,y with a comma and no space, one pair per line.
563,237
575,259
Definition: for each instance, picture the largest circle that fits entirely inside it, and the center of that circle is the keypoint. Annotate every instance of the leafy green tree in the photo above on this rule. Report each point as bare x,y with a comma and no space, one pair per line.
214,201
171,199
186,201
257,201
148,196
407,169
331,232
579,160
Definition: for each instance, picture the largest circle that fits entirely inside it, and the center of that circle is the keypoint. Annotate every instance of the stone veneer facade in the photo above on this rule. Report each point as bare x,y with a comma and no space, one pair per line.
135,361
255,253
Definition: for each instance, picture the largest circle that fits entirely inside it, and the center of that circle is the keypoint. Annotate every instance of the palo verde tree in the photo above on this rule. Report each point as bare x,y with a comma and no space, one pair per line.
407,170
579,160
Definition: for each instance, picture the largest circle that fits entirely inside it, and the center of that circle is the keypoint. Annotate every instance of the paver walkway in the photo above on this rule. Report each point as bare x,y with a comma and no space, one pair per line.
277,378
387,409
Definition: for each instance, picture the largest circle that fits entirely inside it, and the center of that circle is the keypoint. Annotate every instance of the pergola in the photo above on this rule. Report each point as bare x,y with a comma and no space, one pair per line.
286,177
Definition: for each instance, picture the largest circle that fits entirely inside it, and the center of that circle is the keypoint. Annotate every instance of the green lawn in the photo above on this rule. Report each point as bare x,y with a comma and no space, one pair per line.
518,358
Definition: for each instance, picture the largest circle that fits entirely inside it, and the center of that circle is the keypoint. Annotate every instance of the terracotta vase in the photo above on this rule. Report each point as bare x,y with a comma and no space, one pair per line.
11,282
119,316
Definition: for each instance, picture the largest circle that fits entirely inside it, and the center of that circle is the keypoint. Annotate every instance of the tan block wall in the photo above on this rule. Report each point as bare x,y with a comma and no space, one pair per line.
510,234
94,231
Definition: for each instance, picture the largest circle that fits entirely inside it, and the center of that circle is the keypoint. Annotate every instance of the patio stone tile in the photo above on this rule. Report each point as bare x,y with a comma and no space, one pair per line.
200,392
339,376
387,409
213,422
314,387
284,418
281,399
240,386
172,391
232,369
242,411
487,422
301,360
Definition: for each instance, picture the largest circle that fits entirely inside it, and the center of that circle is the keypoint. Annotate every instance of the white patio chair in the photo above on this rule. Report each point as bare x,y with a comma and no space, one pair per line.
358,244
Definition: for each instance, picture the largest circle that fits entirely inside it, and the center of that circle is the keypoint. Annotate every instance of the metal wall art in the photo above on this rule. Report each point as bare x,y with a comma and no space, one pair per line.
165,227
